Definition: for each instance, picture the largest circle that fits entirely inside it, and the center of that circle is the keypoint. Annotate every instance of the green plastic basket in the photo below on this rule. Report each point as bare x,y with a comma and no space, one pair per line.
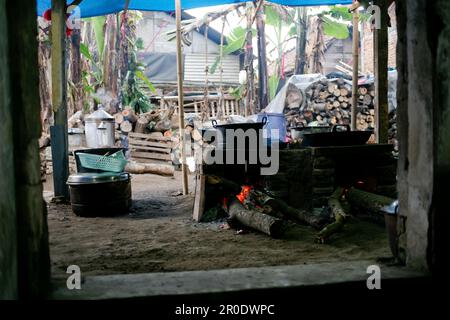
115,162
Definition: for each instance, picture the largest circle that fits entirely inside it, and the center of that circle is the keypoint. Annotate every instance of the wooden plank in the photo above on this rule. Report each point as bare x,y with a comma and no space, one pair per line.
149,136
150,143
163,150
150,155
199,201
147,160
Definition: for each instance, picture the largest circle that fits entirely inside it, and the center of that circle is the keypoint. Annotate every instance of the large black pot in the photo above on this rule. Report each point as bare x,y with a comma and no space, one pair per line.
100,194
336,138
247,148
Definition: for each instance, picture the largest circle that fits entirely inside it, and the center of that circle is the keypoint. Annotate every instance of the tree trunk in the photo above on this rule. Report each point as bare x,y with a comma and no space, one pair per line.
263,90
248,64
259,221
109,60
300,55
44,53
75,80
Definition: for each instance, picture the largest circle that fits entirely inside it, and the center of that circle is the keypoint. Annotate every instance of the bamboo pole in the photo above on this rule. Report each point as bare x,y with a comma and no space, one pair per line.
180,96
355,66
60,145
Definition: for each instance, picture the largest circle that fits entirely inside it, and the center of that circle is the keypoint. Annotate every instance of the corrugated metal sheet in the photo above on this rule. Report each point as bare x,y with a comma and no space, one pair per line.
194,68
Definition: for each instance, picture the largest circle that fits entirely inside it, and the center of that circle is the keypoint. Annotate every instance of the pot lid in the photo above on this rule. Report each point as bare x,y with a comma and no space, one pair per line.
93,178
101,115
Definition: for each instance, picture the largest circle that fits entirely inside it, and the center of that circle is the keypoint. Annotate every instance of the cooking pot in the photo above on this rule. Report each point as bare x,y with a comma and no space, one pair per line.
336,137
298,132
100,194
221,131
242,150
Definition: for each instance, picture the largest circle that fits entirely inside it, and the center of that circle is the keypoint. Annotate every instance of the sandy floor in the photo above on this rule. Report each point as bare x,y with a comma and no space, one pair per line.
159,235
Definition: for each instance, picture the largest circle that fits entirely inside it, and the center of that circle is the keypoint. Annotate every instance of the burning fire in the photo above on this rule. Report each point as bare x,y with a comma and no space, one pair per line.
245,192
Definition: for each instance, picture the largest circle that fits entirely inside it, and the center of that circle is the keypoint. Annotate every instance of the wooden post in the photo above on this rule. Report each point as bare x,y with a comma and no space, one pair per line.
381,69
8,219
58,131
263,90
180,97
355,66
33,261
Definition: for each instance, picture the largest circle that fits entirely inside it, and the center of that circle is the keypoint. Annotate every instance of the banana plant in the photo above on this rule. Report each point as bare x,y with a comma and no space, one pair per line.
235,42
280,20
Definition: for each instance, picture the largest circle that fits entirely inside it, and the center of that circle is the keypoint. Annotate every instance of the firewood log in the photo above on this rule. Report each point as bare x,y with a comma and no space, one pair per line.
154,168
295,214
362,90
126,126
339,217
141,124
129,115
259,221
118,118
369,202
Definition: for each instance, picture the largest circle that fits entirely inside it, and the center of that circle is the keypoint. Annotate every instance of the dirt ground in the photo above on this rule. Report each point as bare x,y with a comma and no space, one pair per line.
159,235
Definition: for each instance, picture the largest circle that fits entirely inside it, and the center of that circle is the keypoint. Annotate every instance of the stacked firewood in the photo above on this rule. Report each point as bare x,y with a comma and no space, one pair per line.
328,102
153,121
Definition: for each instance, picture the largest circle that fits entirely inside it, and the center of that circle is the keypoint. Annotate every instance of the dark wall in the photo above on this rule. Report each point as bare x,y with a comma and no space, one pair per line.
8,248
24,260
423,130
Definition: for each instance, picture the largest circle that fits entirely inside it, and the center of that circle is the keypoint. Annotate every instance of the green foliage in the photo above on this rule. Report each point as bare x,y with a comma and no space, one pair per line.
237,92
132,93
84,50
98,24
339,13
273,85
335,29
235,42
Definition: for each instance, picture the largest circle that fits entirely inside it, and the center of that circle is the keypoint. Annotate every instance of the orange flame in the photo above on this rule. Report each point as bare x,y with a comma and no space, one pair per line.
245,192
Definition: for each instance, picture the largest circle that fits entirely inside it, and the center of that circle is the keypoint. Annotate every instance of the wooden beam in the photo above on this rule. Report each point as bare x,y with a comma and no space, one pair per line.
33,263
355,66
381,69
180,96
58,131
8,219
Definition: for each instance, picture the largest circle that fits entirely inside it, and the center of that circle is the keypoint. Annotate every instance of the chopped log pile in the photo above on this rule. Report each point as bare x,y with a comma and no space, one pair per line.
153,121
328,102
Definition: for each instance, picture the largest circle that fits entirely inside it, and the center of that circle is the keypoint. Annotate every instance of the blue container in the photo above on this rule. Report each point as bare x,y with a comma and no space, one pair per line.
274,121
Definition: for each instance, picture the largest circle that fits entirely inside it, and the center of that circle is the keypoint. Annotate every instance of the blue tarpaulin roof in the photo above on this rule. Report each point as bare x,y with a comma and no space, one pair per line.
90,8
